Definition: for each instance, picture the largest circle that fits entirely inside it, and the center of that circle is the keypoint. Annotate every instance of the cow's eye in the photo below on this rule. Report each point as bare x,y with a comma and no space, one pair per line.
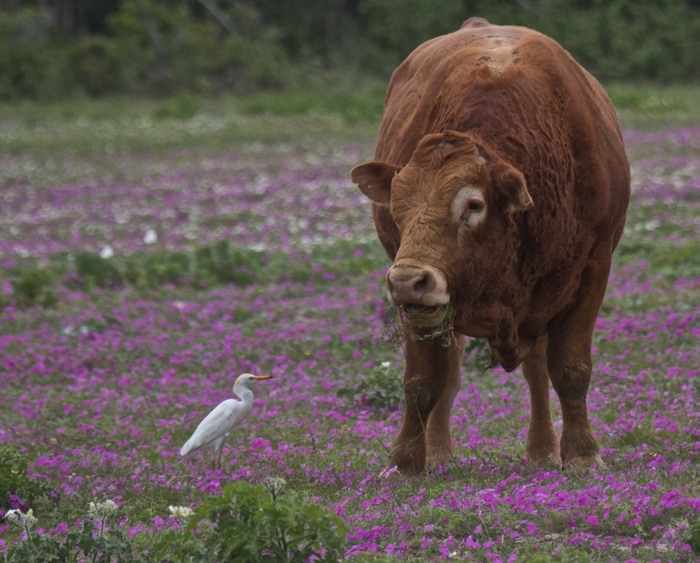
472,211
469,206
475,205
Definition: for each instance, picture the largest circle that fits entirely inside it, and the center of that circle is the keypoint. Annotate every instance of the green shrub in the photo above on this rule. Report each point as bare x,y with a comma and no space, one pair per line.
694,536
221,262
17,489
251,523
381,389
152,270
212,265
93,270
24,52
97,66
33,287
80,543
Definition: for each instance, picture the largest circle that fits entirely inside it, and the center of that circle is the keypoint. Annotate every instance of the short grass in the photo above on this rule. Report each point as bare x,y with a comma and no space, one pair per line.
115,125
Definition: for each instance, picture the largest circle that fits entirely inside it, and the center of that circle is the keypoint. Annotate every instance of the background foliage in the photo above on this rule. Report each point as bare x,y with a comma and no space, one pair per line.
57,48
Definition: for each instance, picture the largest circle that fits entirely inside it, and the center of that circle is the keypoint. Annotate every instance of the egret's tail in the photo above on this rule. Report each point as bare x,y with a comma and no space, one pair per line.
185,449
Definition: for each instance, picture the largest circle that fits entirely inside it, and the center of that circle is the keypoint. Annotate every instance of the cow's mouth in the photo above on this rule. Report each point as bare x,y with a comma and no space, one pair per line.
423,315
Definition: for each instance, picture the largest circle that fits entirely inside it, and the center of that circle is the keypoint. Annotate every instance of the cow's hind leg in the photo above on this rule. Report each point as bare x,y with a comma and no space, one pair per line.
425,378
569,362
438,436
542,443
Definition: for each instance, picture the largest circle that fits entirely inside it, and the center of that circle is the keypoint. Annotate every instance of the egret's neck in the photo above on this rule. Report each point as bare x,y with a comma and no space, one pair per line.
245,394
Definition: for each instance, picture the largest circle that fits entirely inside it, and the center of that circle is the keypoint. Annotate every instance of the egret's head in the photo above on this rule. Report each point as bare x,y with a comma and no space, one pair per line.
247,379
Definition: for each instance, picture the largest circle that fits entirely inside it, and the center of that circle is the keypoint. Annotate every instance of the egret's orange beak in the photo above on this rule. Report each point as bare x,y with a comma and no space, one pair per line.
259,377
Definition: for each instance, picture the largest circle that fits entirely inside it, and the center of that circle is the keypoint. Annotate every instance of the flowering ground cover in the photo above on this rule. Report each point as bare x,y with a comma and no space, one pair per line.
121,326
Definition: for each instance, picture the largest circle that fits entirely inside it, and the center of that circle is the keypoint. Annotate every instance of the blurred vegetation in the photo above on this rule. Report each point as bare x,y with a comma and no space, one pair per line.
53,49
17,489
381,389
200,267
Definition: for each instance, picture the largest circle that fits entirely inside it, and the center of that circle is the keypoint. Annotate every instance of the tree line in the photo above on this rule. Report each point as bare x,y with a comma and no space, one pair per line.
60,48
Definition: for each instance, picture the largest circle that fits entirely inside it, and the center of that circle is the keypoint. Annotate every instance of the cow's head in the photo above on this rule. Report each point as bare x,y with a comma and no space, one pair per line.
452,205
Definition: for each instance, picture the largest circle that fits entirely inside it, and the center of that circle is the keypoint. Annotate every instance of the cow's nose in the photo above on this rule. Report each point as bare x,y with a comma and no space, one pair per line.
409,284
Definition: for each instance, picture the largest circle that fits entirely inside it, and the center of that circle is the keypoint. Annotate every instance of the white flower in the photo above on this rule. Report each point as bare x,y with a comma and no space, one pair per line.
151,237
106,252
275,485
180,512
102,509
108,506
25,520
29,518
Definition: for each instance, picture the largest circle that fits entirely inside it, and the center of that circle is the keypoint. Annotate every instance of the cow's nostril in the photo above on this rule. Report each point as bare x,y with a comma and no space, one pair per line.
422,283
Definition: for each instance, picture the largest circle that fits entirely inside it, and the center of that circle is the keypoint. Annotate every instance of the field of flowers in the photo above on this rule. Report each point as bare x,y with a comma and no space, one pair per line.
138,283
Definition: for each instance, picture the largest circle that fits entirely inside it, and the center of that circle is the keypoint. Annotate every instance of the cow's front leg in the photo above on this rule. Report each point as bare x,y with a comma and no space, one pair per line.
438,437
425,379
542,444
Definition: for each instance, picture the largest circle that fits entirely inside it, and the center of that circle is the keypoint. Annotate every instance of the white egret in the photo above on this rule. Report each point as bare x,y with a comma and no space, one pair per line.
219,423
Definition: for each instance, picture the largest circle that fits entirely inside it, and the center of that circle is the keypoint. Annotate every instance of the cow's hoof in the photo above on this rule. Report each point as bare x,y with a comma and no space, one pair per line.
437,468
407,466
585,463
551,461
438,465
438,460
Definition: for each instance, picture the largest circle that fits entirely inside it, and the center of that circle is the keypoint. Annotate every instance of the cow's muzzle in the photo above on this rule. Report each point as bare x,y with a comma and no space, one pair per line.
419,291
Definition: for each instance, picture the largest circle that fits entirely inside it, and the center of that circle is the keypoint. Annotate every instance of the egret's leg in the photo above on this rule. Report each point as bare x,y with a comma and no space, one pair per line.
219,451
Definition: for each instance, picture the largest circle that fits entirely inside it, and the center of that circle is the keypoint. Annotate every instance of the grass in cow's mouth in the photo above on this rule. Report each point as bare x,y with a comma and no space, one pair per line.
398,330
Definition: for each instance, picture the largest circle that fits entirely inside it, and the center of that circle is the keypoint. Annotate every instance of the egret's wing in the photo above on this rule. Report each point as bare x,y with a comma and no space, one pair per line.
216,425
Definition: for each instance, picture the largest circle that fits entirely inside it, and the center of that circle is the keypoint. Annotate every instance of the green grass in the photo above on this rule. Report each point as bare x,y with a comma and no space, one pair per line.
125,124
202,267
650,105
350,113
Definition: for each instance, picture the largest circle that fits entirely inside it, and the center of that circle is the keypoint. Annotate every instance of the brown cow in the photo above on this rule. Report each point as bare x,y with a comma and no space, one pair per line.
499,190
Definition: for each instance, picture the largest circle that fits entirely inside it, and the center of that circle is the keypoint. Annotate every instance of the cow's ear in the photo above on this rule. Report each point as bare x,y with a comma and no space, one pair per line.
374,180
510,183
